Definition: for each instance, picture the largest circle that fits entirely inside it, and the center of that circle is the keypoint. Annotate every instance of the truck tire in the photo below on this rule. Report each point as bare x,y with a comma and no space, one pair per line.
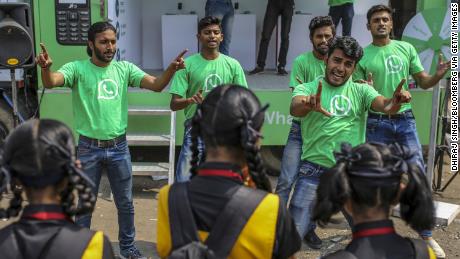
6,120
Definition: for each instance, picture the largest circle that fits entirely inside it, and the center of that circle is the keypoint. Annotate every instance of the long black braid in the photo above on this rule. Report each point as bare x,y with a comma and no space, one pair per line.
85,195
195,134
257,171
16,202
231,116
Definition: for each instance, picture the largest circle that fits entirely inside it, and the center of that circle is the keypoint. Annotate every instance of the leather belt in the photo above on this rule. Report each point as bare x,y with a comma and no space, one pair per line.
103,143
403,115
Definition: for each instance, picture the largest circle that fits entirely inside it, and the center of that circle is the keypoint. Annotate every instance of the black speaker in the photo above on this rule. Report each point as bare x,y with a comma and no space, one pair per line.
16,36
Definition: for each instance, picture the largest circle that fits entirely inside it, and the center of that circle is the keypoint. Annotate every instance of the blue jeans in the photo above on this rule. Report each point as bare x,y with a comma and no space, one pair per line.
345,13
304,196
290,162
402,131
222,9
116,161
185,156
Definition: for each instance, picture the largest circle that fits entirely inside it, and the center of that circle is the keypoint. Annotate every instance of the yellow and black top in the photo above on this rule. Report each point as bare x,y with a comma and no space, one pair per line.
269,232
44,231
379,240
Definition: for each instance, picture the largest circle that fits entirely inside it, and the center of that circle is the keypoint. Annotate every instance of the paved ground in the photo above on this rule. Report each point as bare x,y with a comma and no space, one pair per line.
334,236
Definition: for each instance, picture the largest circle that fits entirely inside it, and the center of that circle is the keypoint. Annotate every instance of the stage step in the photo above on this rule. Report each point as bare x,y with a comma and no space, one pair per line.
148,110
150,169
147,139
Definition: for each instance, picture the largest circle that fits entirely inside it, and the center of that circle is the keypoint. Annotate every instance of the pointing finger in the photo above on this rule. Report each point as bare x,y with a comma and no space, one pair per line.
369,77
298,80
400,86
181,55
319,91
440,59
43,48
326,113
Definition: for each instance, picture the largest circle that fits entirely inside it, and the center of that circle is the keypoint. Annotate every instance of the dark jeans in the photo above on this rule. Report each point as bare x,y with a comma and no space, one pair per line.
275,8
290,163
345,13
222,9
116,161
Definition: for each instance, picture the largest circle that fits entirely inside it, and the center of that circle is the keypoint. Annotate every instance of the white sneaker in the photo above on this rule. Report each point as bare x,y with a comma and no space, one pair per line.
438,251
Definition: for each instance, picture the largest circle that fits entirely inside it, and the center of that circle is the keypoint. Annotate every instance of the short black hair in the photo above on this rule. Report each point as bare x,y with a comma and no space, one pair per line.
321,21
348,45
95,28
206,21
378,8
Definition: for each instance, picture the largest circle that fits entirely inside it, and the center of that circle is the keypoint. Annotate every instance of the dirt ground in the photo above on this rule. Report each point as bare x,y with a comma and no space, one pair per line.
334,236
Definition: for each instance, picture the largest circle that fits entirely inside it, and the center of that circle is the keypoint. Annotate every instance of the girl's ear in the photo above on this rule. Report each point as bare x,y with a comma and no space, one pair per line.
348,207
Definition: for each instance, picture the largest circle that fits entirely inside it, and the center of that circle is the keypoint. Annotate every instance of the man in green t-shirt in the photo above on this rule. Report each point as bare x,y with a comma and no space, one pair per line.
203,72
324,128
100,108
342,10
306,68
389,61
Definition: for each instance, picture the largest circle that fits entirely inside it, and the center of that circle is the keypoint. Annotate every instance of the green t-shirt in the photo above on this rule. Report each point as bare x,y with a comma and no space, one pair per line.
203,74
99,96
339,2
307,68
321,135
388,65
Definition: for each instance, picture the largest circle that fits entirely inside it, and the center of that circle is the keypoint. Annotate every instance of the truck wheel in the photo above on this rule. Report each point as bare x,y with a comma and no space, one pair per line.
271,156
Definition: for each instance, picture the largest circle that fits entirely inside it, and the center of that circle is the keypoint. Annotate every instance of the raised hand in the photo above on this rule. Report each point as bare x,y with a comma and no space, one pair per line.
369,81
399,97
178,62
43,59
313,102
442,66
196,99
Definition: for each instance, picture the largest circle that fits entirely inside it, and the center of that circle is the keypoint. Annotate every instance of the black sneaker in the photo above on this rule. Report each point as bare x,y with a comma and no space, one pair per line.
282,71
257,70
132,253
312,240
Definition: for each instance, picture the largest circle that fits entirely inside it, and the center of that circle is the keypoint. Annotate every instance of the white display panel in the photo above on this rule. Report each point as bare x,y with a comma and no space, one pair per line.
178,32
124,15
243,44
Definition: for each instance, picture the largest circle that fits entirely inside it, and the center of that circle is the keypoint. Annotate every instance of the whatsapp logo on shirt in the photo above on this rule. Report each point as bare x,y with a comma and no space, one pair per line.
211,81
340,106
393,64
107,89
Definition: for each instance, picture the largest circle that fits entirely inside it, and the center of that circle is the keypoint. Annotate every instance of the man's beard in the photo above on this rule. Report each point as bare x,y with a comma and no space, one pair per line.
102,57
321,51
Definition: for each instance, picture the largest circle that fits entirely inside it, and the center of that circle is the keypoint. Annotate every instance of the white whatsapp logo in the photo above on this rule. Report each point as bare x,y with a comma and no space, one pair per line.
393,64
212,81
340,106
107,89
